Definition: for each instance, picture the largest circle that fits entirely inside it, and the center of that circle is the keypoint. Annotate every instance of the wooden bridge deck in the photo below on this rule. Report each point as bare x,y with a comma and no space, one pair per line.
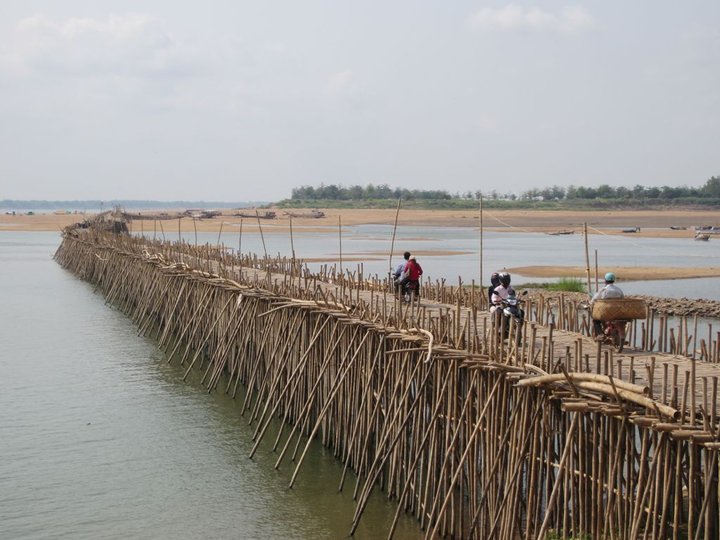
422,400
679,381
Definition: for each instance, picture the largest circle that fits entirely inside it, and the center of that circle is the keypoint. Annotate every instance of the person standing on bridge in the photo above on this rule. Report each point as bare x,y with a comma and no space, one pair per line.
610,290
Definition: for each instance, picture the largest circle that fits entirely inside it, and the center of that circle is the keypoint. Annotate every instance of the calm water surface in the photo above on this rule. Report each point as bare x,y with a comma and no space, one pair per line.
101,438
371,244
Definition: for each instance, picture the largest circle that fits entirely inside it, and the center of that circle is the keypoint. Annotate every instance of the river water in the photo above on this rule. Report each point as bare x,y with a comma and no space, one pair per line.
101,438
457,253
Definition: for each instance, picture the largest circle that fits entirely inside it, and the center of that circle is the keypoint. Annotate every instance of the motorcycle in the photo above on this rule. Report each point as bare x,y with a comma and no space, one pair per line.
409,290
513,315
613,333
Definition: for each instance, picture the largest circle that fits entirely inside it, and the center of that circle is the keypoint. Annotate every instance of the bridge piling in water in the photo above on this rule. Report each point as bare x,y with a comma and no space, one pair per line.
472,435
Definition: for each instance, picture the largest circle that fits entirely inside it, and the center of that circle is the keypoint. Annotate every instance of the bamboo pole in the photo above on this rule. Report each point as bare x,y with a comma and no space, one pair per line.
262,237
481,247
597,275
392,245
346,368
587,257
292,243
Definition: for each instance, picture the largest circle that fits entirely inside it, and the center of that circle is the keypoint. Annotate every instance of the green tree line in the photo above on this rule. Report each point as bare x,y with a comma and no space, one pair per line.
638,193
334,192
710,190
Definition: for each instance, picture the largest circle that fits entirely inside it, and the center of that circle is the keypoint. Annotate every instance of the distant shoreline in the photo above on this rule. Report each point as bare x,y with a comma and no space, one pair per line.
79,206
459,205
651,223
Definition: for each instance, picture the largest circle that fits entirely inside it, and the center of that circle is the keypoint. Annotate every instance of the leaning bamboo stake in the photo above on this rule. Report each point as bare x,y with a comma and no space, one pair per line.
597,275
561,472
205,297
291,380
481,246
418,454
392,244
262,237
517,469
219,235
475,430
386,440
587,256
292,243
325,408
207,336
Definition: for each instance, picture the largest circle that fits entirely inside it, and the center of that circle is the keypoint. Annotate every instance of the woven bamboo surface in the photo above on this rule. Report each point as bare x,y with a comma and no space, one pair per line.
619,309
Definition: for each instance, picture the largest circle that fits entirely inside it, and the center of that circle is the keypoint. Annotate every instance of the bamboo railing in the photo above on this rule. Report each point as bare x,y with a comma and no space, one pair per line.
474,435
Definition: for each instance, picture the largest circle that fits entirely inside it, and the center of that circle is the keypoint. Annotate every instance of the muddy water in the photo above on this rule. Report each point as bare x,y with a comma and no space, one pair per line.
371,245
101,438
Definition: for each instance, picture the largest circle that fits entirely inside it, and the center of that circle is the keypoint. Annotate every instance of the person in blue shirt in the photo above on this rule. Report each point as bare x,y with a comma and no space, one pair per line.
398,272
400,267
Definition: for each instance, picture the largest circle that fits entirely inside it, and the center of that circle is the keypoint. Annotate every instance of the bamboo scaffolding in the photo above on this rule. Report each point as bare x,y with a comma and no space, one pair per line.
472,434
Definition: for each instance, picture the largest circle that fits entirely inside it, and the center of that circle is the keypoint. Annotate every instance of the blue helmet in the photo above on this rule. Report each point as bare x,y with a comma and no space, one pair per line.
610,277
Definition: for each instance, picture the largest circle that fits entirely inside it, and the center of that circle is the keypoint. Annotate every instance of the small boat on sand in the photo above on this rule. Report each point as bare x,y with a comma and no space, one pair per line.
560,233
703,237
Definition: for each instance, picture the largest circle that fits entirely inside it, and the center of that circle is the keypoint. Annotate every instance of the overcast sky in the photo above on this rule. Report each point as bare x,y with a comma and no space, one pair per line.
242,100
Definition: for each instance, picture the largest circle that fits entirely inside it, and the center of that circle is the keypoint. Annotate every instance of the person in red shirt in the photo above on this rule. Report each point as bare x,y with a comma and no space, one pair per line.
412,273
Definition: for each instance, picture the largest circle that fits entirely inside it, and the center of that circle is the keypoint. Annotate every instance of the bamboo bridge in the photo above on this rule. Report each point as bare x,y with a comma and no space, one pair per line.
555,437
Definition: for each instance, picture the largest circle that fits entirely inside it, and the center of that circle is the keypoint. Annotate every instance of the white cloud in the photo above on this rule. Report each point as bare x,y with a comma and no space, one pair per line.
134,44
340,82
513,17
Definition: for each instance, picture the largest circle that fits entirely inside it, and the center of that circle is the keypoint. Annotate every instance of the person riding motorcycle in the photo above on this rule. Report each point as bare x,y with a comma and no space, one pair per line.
610,290
506,304
398,273
413,271
409,279
400,267
494,282
501,292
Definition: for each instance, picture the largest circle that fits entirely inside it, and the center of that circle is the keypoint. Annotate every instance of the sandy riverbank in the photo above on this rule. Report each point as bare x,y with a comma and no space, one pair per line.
623,273
652,223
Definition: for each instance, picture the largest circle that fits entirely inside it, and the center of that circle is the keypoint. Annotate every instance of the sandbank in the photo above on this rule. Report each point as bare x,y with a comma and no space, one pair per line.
652,223
623,273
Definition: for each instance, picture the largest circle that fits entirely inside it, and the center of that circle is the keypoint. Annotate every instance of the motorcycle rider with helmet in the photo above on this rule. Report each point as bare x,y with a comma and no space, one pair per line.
494,282
505,304
501,292
610,290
